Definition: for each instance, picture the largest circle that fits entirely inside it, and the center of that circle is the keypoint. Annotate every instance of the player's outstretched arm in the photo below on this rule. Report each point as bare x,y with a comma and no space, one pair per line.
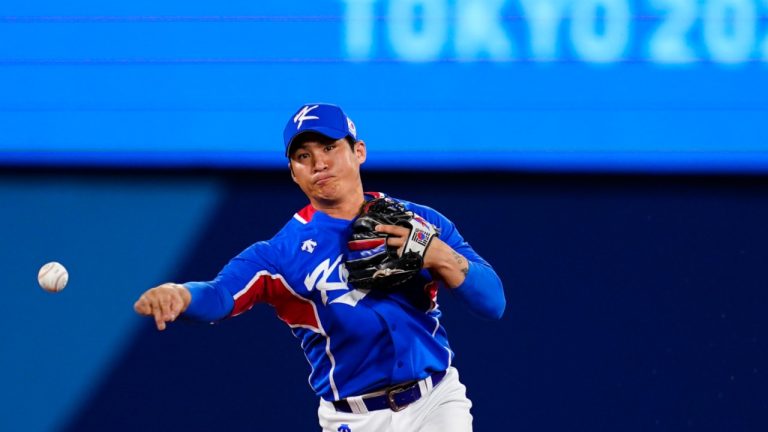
164,302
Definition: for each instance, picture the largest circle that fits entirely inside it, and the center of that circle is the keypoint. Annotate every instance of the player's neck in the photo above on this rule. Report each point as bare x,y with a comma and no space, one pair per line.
347,208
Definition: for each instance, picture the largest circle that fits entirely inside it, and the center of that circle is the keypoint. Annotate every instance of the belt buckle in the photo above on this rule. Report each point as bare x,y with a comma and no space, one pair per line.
391,392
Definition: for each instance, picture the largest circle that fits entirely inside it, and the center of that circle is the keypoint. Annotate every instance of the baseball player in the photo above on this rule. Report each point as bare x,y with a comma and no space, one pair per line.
355,275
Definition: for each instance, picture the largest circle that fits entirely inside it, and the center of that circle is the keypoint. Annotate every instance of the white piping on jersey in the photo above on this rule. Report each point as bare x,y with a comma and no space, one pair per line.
437,326
299,218
333,366
309,378
318,329
434,332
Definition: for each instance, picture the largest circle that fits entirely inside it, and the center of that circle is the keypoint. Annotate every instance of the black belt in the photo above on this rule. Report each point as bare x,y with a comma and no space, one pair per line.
395,398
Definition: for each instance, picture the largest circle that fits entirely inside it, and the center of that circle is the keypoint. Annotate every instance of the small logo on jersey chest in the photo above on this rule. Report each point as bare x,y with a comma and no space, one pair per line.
344,428
308,246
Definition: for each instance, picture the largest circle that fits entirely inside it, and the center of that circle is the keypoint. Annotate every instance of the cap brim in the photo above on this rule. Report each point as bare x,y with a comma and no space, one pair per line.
328,132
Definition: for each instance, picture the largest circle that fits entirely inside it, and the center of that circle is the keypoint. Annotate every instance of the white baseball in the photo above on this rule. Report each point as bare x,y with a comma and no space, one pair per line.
53,277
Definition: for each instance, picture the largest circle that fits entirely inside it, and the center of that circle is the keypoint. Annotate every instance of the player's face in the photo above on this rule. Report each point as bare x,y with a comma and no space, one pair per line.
328,171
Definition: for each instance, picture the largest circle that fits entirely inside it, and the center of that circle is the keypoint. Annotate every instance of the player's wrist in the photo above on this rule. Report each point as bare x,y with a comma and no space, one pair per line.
450,266
439,256
184,294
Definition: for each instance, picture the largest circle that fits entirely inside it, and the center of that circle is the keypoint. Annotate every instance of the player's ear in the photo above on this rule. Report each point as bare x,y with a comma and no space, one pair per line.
360,151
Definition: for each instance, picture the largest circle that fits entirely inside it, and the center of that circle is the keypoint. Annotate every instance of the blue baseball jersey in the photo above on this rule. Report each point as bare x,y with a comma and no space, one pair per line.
356,341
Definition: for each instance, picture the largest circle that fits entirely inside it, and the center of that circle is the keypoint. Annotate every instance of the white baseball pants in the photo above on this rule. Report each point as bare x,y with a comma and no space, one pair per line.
444,409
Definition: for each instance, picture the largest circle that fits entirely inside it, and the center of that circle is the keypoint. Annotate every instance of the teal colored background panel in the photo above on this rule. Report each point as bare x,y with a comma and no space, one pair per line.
117,238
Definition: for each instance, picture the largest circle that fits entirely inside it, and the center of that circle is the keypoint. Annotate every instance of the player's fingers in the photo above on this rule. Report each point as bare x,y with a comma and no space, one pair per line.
141,307
158,315
393,230
159,322
395,242
165,307
175,307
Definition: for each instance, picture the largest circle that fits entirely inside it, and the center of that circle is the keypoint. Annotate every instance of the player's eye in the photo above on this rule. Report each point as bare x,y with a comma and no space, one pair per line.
330,147
302,156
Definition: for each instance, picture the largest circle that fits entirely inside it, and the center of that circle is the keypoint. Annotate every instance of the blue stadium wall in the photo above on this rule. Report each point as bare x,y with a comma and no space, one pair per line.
635,303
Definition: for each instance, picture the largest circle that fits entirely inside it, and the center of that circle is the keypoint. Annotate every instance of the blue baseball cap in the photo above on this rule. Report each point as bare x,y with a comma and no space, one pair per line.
326,119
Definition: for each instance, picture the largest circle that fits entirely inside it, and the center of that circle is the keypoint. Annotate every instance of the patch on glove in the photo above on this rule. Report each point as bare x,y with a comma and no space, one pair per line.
373,265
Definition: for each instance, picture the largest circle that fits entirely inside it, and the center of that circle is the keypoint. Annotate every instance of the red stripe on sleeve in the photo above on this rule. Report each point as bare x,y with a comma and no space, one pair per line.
294,310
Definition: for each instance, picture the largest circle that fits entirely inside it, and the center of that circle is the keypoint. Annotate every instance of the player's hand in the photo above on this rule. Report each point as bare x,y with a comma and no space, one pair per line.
165,303
440,259
396,236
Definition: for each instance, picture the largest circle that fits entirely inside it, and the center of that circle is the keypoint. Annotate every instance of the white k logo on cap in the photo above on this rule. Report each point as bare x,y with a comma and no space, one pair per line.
302,115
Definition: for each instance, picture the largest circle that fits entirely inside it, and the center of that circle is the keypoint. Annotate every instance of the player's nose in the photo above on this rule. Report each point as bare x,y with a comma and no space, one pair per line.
321,162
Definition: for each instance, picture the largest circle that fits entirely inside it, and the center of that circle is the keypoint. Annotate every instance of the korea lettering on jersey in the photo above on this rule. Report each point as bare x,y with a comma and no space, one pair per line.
356,341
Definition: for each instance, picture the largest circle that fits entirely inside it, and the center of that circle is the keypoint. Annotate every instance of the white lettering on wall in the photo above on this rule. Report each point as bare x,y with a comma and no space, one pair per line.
543,18
418,28
595,31
729,29
358,28
479,30
669,44
600,29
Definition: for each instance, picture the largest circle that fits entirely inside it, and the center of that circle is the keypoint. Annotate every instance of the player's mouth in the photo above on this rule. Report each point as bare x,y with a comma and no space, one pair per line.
323,180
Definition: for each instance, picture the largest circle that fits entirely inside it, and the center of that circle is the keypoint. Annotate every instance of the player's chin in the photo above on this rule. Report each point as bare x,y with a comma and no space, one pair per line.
329,187
328,190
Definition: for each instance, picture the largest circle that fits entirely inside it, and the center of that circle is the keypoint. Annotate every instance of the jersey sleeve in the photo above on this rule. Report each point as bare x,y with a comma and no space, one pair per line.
482,291
243,282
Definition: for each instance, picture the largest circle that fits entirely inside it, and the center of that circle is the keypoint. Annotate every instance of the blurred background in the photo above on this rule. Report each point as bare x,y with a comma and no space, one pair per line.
608,157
